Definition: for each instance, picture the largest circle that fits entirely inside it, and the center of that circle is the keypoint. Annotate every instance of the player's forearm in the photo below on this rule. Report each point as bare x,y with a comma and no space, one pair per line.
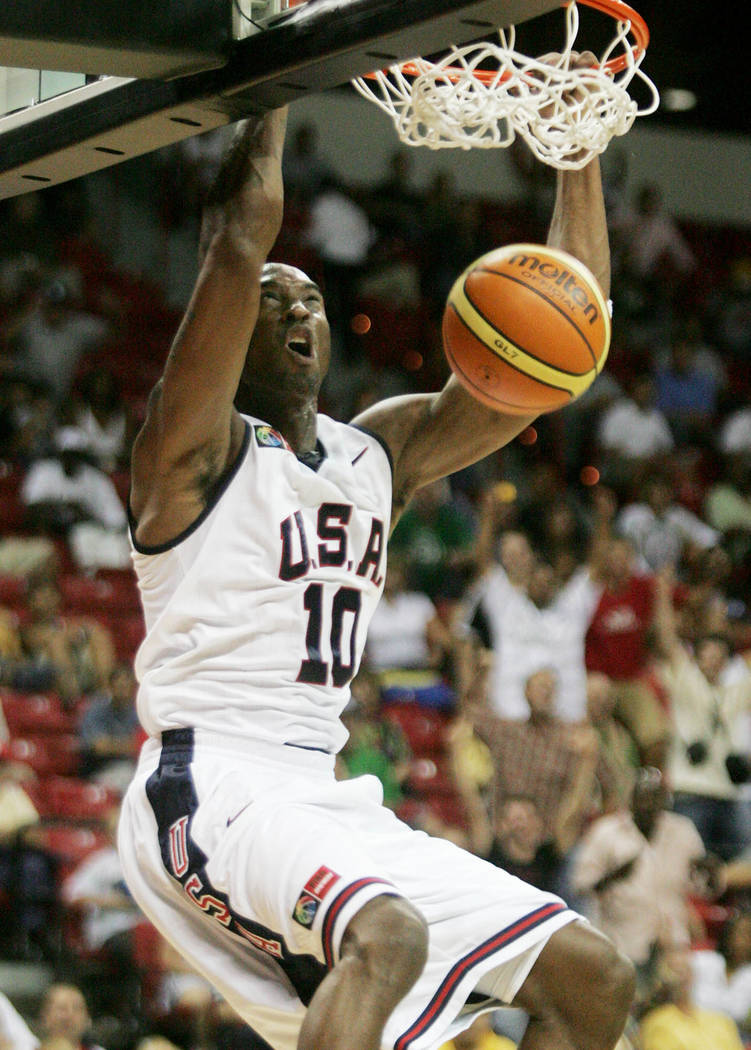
579,223
245,201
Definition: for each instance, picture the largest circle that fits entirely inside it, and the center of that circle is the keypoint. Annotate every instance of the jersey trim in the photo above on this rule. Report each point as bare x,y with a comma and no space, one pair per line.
217,490
380,440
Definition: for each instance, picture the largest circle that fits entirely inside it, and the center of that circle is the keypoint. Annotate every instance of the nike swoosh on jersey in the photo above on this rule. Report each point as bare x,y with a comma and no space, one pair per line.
359,455
231,820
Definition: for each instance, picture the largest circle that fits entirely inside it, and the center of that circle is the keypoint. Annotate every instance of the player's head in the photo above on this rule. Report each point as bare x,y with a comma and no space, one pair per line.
288,354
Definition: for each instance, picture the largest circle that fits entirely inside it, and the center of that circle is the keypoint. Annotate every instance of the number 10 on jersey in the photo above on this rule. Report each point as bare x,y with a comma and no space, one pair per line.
339,659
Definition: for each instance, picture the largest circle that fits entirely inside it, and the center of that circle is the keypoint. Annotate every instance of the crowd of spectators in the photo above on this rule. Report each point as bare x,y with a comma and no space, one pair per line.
558,676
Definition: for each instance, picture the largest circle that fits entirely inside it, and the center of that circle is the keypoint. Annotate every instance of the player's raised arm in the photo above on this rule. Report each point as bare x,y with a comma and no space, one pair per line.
432,435
192,430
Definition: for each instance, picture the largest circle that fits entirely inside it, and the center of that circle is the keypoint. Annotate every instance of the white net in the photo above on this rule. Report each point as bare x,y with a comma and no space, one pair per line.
484,95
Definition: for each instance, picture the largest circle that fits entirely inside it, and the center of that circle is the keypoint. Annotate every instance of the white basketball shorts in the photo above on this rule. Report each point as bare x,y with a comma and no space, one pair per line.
251,864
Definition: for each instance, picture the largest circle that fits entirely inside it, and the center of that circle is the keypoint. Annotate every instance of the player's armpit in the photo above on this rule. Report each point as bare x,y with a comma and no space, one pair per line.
433,435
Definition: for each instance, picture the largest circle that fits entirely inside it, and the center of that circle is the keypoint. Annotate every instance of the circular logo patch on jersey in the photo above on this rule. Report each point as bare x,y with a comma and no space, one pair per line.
305,909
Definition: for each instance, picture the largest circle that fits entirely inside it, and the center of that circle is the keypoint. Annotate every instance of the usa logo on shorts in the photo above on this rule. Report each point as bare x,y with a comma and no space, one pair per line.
313,892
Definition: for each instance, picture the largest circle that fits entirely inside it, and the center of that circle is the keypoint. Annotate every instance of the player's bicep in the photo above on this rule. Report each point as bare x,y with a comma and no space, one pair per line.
173,474
433,435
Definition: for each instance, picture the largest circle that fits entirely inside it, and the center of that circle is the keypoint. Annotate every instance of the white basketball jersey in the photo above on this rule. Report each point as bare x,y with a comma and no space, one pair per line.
256,616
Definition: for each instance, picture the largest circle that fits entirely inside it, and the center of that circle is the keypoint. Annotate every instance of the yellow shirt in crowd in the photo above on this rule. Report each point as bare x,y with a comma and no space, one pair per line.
670,1028
488,1041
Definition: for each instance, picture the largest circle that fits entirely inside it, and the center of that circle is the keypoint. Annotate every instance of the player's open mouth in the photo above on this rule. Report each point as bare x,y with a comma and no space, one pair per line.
300,345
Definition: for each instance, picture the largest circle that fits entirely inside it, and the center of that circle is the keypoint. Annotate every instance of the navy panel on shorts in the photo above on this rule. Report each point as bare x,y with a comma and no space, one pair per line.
172,795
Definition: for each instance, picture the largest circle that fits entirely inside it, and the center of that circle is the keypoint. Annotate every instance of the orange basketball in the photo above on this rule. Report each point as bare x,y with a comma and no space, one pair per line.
526,329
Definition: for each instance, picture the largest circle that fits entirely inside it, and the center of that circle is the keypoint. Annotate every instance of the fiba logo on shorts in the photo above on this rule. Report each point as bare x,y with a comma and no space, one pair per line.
305,909
267,437
313,892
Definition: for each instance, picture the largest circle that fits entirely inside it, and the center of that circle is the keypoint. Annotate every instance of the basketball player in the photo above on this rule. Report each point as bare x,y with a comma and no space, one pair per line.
260,531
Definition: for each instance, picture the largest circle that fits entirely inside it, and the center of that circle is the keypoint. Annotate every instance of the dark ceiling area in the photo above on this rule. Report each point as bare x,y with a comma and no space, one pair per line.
693,47
697,47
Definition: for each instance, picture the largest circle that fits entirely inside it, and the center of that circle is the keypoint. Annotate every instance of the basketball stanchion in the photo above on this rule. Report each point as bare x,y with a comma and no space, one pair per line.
526,329
483,95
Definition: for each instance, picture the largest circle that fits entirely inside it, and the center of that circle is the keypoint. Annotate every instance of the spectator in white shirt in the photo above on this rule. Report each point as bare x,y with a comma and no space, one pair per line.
633,427
662,531
647,237
722,978
54,339
67,495
340,232
405,631
529,621
735,435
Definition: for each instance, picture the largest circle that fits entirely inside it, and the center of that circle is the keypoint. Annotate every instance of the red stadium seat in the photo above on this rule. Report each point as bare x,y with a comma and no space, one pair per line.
423,727
127,634
52,755
12,509
146,942
12,590
92,597
125,586
69,844
448,809
74,799
35,713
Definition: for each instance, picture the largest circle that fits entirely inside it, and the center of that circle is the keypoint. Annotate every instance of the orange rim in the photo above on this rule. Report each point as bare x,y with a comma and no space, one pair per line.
616,9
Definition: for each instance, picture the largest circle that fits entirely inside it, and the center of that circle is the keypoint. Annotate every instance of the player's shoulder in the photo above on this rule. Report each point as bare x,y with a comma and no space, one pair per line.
353,437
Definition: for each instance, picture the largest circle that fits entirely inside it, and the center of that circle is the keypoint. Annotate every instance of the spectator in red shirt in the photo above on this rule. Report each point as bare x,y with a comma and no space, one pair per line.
616,645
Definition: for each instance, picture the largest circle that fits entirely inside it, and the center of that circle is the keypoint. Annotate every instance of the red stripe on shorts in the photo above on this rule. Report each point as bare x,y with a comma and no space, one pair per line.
455,974
335,909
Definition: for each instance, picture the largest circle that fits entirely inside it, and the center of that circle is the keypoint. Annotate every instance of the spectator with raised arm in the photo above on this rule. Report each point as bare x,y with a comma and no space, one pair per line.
662,531
704,763
617,645
545,759
529,618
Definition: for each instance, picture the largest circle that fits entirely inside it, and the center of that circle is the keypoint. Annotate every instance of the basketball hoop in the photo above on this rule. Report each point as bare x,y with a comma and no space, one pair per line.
485,94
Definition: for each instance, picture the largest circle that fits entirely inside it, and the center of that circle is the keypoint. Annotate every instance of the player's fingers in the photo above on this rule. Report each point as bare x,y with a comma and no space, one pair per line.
585,60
